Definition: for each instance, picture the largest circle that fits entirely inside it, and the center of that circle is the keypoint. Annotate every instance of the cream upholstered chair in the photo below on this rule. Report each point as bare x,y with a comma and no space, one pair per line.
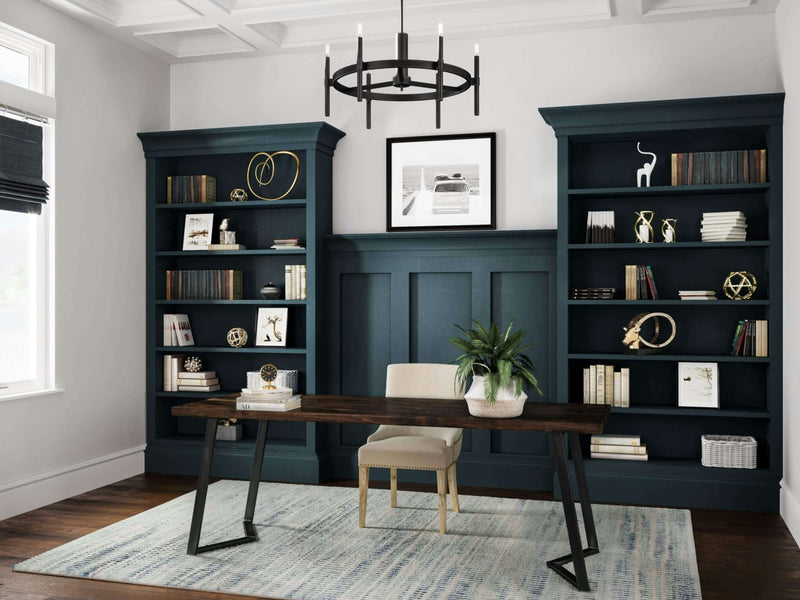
405,447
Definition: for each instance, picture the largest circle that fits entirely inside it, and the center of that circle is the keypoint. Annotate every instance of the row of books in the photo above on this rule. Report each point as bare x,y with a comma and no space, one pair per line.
640,283
288,244
600,227
592,293
751,338
278,399
603,385
697,294
191,188
177,379
177,331
618,446
727,166
728,226
295,282
204,284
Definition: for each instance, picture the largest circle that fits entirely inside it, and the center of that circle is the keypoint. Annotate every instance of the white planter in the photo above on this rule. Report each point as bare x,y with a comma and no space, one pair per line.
507,404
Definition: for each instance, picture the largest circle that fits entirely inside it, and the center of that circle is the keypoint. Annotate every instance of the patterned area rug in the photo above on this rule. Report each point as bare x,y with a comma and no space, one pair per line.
311,548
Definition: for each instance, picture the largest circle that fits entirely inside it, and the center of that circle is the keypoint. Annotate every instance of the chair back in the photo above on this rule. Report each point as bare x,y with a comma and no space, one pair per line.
423,380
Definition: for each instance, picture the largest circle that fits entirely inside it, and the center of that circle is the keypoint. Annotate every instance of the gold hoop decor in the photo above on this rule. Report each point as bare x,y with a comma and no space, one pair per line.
633,338
261,170
739,285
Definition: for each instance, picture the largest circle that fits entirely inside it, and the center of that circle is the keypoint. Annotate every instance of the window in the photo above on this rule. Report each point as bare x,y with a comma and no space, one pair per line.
26,340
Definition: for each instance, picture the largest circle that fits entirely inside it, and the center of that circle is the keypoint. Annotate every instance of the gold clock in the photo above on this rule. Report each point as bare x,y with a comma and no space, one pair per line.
269,373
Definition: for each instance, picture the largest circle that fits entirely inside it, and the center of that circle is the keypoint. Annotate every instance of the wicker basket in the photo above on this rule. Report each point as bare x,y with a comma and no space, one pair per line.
729,451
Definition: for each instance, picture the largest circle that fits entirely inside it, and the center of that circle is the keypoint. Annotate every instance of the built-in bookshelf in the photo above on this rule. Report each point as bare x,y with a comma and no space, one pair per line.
174,443
597,173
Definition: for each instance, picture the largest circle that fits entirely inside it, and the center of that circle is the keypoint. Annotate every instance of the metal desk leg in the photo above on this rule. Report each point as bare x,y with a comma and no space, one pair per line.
580,579
202,490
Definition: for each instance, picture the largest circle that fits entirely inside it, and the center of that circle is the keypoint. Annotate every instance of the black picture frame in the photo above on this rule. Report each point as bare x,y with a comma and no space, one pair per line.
457,182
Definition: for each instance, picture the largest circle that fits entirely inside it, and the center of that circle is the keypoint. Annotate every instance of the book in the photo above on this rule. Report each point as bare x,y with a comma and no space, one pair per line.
198,375
198,388
616,456
609,382
197,383
183,330
289,404
600,398
651,281
172,366
617,389
618,439
227,247
170,335
191,188
204,284
625,387
593,384
587,398
617,449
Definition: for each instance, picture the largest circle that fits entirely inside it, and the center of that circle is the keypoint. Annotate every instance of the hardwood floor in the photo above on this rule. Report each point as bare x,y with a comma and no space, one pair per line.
741,556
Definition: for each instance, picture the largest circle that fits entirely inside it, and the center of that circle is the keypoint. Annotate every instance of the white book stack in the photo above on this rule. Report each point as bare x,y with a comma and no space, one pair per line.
279,399
287,378
728,226
618,446
199,381
697,294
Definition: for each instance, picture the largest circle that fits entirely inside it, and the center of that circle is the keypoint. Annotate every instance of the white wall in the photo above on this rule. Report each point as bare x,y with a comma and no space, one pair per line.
59,445
723,56
788,42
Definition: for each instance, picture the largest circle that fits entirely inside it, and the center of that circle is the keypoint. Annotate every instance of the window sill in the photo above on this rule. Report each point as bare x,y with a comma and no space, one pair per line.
32,393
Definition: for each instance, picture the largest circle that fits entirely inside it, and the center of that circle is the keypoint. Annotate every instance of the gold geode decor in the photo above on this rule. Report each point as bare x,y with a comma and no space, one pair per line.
739,285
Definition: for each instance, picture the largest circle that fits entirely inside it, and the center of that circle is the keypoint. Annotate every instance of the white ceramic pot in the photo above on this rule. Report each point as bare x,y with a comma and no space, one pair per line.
507,404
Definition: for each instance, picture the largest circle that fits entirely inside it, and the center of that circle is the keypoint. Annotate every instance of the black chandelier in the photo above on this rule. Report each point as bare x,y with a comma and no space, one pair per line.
402,79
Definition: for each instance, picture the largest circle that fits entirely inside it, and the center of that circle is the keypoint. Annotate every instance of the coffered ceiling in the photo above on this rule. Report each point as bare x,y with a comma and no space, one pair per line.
191,30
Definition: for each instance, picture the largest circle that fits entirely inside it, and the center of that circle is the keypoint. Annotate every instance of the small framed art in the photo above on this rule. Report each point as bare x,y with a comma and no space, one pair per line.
440,182
197,231
698,385
271,326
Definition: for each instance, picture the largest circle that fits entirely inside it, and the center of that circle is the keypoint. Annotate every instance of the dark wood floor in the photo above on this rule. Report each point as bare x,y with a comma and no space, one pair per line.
741,556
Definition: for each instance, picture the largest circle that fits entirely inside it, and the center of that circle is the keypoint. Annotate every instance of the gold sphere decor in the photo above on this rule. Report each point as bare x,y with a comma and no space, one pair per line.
739,285
238,195
193,364
237,337
633,339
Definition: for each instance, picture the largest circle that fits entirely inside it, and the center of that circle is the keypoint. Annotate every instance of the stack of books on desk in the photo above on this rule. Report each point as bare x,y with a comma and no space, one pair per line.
728,226
618,446
201,381
279,399
697,294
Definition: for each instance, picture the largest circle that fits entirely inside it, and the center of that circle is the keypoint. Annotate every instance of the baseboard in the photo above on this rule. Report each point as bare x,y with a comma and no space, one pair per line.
27,493
790,511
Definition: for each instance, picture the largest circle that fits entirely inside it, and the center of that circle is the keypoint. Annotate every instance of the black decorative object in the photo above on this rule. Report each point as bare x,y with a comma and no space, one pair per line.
270,291
402,79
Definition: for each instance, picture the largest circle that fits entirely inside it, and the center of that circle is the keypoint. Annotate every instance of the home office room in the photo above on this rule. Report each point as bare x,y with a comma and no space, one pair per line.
399,299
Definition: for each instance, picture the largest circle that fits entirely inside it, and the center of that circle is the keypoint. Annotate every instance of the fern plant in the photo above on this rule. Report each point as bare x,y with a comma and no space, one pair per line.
498,356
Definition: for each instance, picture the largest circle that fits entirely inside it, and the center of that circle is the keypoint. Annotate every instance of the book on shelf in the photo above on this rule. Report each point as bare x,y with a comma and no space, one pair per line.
720,167
177,330
198,375
618,448
751,338
193,189
198,388
197,383
281,406
618,456
600,227
172,367
592,293
617,439
204,284
288,244
726,226
697,294
602,385
295,282
214,247
640,283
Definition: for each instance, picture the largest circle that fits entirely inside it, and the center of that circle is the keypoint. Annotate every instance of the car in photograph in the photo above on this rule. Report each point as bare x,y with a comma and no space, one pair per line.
450,195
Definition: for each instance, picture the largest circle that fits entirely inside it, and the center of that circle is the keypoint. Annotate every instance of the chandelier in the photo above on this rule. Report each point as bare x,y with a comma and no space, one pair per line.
394,89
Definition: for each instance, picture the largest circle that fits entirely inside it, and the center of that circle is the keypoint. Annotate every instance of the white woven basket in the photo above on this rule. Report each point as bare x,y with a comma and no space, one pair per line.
729,451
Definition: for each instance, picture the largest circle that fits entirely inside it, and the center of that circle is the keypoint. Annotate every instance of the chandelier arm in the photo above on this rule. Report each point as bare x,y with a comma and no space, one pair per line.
440,83
369,102
476,82
359,68
449,91
327,86
427,65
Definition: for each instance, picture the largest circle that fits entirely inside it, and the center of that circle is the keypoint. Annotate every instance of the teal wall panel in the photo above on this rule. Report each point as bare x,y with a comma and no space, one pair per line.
437,302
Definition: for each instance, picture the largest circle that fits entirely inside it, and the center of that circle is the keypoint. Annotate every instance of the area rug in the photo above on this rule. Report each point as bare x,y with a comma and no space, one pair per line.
311,548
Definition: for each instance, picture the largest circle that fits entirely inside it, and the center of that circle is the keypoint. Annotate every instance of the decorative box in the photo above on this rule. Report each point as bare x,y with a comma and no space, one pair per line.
230,433
729,451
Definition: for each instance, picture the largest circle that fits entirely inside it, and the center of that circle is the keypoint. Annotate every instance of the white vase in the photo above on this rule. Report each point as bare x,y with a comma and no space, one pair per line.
507,405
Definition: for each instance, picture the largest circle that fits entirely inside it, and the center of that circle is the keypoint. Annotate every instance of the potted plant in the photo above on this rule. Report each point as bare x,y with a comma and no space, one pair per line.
499,368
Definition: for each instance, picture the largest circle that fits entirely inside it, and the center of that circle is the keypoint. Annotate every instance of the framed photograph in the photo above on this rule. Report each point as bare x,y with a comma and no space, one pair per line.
271,326
197,231
440,182
698,385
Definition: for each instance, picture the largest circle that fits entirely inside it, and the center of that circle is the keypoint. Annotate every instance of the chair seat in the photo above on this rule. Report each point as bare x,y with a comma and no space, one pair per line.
407,452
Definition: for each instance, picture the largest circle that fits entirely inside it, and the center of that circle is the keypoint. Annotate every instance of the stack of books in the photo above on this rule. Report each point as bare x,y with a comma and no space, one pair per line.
592,293
697,294
278,399
640,284
295,282
602,385
288,244
751,338
728,226
600,227
199,381
618,446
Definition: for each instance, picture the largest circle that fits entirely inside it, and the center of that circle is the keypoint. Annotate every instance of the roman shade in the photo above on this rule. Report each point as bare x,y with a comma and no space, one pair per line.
21,186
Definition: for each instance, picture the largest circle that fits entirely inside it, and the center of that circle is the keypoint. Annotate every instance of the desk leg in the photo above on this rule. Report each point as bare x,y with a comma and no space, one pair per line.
202,491
580,579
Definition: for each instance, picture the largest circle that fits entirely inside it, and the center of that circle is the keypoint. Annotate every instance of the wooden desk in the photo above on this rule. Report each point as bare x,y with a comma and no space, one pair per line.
563,421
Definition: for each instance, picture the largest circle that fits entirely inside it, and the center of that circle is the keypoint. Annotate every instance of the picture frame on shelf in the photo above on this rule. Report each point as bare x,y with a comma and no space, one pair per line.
197,231
441,182
698,385
271,326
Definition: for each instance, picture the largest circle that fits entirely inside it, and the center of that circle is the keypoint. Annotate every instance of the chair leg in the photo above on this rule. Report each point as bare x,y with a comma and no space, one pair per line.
441,488
451,478
393,485
363,485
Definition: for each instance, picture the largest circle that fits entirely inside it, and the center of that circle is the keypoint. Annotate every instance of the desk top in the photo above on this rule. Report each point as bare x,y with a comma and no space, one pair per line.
537,416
